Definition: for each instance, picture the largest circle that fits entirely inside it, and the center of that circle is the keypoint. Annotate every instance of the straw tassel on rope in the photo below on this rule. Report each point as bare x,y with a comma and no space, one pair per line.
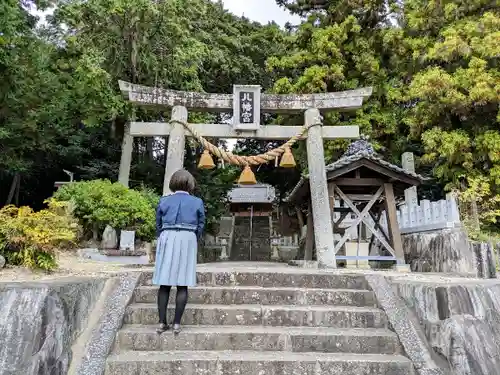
287,160
247,177
206,161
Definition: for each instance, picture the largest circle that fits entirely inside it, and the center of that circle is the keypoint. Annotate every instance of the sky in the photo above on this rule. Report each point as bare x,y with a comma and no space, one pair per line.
261,11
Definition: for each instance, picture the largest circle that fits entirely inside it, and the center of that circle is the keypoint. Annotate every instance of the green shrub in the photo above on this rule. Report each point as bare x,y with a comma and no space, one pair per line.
31,239
148,227
99,203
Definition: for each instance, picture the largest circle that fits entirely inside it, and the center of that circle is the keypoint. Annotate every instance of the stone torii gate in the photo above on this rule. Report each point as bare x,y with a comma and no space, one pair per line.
246,103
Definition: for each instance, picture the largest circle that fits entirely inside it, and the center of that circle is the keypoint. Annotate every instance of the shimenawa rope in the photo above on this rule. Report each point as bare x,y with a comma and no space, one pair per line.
244,160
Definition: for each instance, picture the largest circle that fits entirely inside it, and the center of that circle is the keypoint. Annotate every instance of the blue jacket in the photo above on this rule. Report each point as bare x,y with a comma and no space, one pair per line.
180,211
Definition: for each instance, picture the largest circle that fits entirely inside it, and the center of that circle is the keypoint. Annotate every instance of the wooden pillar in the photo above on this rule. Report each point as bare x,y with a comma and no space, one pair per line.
271,229
126,156
309,245
176,143
331,199
393,225
322,221
300,217
363,236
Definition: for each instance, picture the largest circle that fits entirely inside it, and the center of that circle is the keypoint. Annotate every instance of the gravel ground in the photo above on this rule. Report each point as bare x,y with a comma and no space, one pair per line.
69,265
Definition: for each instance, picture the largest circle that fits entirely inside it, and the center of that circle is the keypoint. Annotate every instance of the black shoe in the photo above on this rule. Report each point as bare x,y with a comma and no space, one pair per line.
162,328
177,329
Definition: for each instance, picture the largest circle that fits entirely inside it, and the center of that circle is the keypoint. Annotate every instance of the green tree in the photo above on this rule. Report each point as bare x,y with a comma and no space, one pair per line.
340,47
75,117
434,70
46,95
178,44
455,95
99,203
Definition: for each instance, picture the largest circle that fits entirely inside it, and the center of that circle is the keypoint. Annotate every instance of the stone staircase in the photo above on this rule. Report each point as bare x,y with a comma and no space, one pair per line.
262,323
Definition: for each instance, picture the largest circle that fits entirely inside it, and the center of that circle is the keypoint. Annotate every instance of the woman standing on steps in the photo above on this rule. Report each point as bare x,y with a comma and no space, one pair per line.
180,219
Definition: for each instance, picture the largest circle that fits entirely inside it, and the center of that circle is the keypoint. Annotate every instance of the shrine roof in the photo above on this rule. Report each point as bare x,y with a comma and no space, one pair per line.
358,150
346,160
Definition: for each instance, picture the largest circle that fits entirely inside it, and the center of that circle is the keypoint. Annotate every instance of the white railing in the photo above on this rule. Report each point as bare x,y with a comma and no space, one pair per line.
427,216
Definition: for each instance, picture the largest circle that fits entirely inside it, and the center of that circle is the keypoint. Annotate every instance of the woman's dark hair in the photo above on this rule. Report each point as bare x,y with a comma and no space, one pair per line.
182,180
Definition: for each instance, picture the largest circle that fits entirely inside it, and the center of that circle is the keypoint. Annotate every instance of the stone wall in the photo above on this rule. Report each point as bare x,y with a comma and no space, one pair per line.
461,321
40,321
448,251
62,326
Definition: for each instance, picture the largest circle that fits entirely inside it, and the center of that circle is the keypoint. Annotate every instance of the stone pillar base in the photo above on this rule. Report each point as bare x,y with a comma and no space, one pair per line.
351,250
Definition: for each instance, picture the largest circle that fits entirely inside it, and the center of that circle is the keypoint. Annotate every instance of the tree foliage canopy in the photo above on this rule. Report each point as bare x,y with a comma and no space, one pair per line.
435,71
61,107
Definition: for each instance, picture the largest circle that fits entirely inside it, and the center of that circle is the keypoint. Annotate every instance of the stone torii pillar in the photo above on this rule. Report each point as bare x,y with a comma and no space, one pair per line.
176,143
322,220
126,157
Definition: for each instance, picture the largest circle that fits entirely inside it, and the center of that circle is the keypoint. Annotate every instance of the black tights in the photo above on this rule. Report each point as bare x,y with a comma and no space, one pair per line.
180,302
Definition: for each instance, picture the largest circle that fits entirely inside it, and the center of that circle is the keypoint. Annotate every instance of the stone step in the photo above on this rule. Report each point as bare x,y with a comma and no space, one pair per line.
265,296
275,279
259,338
255,363
277,315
